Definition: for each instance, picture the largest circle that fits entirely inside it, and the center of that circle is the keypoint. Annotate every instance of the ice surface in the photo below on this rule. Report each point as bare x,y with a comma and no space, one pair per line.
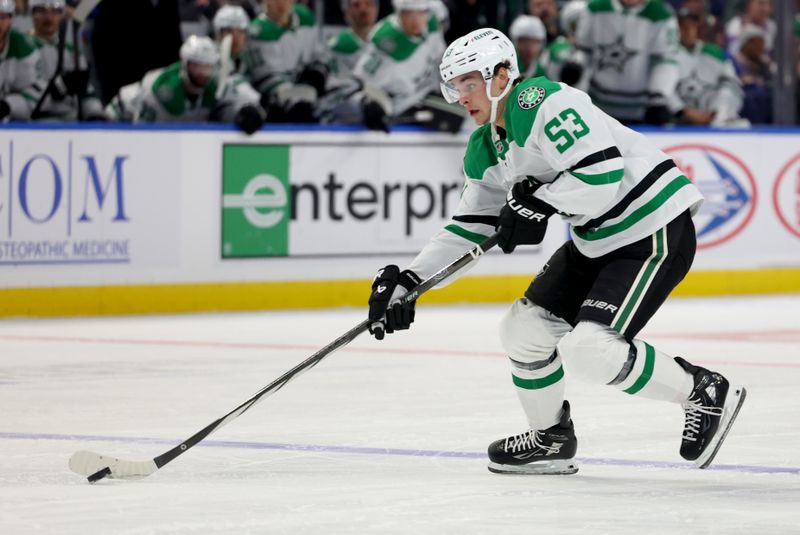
381,437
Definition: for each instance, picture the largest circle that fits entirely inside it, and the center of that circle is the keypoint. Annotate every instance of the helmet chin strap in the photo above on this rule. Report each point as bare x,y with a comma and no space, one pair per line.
496,100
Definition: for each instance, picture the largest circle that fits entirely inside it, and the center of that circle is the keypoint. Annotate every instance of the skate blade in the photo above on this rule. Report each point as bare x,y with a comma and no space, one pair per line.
555,467
731,410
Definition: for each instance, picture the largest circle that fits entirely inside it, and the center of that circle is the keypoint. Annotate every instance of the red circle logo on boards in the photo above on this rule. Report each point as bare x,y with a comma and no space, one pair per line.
728,187
786,195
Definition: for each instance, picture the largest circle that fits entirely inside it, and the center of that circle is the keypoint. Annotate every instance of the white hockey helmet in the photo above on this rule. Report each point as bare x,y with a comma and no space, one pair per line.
570,13
411,5
8,6
230,16
527,26
480,50
55,4
197,49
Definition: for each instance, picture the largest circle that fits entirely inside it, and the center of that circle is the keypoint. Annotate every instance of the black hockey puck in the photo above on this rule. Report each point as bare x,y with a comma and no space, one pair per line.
100,474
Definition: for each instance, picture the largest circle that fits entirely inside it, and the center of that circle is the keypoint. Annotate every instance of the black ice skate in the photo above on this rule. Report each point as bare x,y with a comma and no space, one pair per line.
548,451
710,411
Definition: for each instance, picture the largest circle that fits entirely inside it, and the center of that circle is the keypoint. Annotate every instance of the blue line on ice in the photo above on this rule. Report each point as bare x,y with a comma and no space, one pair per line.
322,448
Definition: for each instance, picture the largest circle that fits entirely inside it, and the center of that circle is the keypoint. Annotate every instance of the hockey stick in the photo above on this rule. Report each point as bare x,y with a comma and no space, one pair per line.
96,467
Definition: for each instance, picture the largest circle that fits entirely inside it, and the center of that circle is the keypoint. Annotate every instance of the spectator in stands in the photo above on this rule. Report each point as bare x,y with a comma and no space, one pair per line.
21,82
631,48
756,72
69,96
230,30
190,90
561,59
547,12
708,92
528,35
287,61
756,13
710,28
346,47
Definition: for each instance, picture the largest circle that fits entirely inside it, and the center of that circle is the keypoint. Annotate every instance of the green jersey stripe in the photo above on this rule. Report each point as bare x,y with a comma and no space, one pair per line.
600,179
536,384
474,237
647,372
634,297
637,215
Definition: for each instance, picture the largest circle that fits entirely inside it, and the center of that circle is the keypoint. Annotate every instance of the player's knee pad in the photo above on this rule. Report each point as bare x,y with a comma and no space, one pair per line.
530,333
594,352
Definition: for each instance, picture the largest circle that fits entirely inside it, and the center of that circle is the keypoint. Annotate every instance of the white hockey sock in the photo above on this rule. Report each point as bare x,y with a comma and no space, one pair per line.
653,374
540,387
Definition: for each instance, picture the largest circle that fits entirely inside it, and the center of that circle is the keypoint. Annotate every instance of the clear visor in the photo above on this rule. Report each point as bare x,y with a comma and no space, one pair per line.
462,86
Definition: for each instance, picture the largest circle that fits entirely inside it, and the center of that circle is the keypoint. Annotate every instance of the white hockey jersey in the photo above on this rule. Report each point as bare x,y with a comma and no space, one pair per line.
707,81
405,67
608,182
65,107
21,80
344,49
276,55
161,97
631,56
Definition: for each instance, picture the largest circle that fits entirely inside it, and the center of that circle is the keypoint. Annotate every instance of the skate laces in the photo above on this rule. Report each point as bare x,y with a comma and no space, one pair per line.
528,440
694,415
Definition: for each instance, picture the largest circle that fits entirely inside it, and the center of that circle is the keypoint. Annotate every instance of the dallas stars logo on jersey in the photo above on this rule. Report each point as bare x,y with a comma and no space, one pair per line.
531,97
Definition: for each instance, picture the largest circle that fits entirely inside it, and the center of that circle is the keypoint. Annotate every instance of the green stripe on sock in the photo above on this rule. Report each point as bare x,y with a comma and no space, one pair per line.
535,384
647,372
474,237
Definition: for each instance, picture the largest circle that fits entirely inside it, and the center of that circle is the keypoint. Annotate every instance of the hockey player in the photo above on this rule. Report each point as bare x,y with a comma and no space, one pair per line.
631,48
21,82
231,20
399,64
708,92
286,61
189,91
561,60
528,35
72,83
346,47
544,148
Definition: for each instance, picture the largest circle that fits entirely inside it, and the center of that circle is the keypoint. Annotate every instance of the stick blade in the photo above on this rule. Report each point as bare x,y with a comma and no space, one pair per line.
95,466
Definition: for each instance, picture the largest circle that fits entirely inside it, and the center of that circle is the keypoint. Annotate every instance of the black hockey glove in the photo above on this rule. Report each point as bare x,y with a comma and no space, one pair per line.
375,117
571,73
523,219
249,119
657,115
301,112
314,75
390,284
5,109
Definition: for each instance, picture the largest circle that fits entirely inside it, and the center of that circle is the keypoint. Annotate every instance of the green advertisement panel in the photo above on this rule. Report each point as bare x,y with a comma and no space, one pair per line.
255,200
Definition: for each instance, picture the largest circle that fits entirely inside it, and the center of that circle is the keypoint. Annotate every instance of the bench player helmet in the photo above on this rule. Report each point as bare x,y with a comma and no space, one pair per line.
230,16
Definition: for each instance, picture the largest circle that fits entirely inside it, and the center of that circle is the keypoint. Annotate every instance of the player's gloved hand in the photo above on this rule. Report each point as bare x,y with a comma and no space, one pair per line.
571,72
5,109
386,315
76,82
523,219
375,117
249,118
314,75
657,115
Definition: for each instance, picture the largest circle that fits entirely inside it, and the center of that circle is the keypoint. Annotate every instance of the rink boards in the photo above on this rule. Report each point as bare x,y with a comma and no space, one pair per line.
133,220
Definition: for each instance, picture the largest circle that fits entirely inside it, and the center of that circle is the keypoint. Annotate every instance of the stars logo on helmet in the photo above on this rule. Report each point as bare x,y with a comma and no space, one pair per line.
531,97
